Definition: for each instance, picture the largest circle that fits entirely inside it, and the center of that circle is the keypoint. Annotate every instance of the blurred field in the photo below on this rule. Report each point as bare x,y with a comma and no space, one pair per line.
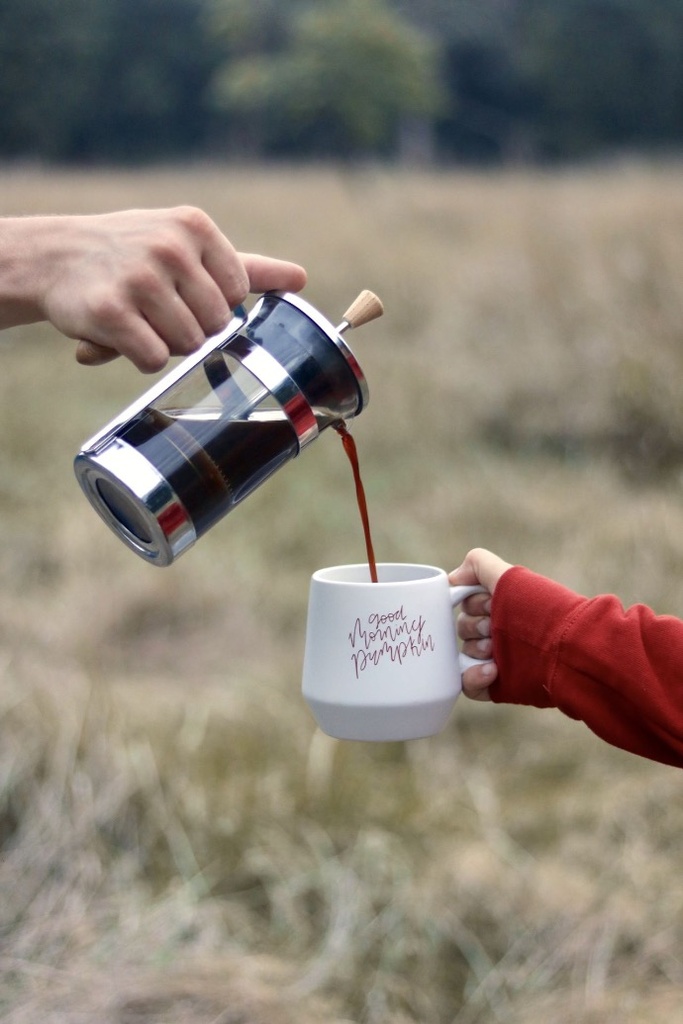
179,844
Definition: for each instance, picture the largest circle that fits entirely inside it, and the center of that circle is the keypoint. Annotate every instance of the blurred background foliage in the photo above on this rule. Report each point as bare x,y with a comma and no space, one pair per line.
490,81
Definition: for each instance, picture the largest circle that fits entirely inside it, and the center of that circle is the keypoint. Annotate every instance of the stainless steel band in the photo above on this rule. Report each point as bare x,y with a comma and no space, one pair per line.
170,529
282,387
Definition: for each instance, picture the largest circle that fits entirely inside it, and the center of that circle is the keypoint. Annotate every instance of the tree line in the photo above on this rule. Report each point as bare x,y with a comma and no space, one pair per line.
484,81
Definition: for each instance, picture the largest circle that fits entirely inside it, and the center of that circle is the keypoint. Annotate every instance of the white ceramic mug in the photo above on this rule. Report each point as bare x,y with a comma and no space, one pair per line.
381,660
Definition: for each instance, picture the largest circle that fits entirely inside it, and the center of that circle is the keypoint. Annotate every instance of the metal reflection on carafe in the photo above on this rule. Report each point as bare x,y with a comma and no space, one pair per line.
224,420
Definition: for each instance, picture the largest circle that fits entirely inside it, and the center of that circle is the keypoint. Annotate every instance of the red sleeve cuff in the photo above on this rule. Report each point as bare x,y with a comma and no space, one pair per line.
529,614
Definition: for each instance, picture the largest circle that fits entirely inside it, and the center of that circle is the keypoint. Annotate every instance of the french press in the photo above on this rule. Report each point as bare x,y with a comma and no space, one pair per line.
182,456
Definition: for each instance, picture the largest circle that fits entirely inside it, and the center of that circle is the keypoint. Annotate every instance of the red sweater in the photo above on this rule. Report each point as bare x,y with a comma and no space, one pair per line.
619,671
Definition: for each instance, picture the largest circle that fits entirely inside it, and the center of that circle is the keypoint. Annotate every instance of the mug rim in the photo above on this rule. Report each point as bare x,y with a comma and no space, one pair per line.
429,572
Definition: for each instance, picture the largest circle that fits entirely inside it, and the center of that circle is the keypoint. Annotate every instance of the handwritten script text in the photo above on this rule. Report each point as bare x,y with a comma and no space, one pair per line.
389,635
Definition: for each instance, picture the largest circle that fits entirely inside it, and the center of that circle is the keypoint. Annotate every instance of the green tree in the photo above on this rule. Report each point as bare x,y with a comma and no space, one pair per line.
126,80
485,114
49,65
345,77
606,73
103,79
149,97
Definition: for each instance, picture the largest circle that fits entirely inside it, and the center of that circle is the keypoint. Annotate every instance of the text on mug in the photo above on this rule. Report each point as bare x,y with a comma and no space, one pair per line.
389,635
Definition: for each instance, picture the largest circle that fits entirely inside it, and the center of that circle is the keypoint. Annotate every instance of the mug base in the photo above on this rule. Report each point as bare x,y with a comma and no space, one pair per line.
379,723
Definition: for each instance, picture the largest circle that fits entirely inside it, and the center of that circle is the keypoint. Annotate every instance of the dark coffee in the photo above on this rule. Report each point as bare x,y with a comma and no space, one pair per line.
210,462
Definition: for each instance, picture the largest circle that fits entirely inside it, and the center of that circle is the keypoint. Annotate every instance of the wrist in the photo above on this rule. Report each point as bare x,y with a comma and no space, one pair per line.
28,257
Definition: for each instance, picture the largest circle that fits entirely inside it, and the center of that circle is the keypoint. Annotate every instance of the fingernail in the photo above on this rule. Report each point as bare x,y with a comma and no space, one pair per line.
484,646
484,627
488,669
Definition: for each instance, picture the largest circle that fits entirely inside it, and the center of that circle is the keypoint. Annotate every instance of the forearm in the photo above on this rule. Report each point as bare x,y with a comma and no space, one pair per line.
617,670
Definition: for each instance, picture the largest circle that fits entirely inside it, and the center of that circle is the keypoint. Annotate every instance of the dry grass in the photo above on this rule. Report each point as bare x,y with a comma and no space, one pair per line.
179,845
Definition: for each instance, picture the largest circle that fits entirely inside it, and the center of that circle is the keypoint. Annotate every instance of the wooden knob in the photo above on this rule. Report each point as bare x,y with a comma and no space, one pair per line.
362,310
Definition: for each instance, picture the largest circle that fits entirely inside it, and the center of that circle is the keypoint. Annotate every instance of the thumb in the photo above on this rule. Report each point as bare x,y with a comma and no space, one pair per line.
465,575
480,566
267,273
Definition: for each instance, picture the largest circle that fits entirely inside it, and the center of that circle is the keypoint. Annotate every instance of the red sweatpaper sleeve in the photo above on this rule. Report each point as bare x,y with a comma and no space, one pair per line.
618,670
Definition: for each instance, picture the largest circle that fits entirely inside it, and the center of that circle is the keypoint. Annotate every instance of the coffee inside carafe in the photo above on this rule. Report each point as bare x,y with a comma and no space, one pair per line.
217,450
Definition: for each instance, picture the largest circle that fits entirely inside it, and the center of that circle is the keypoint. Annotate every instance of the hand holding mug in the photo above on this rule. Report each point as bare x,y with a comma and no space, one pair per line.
474,621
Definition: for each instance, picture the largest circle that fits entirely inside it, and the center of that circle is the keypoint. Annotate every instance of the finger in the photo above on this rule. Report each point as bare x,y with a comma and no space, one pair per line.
477,604
133,338
145,349
266,273
476,681
153,295
196,251
89,353
478,648
464,576
216,291
473,627
206,302
480,566
227,270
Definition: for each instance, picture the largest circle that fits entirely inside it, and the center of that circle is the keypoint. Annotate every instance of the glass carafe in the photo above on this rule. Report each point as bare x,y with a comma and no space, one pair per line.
218,425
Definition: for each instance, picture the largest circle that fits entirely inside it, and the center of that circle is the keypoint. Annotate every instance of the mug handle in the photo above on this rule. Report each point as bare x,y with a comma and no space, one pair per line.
458,594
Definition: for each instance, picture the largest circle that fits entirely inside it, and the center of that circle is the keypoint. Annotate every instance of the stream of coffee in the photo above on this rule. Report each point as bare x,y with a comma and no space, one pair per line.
352,454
